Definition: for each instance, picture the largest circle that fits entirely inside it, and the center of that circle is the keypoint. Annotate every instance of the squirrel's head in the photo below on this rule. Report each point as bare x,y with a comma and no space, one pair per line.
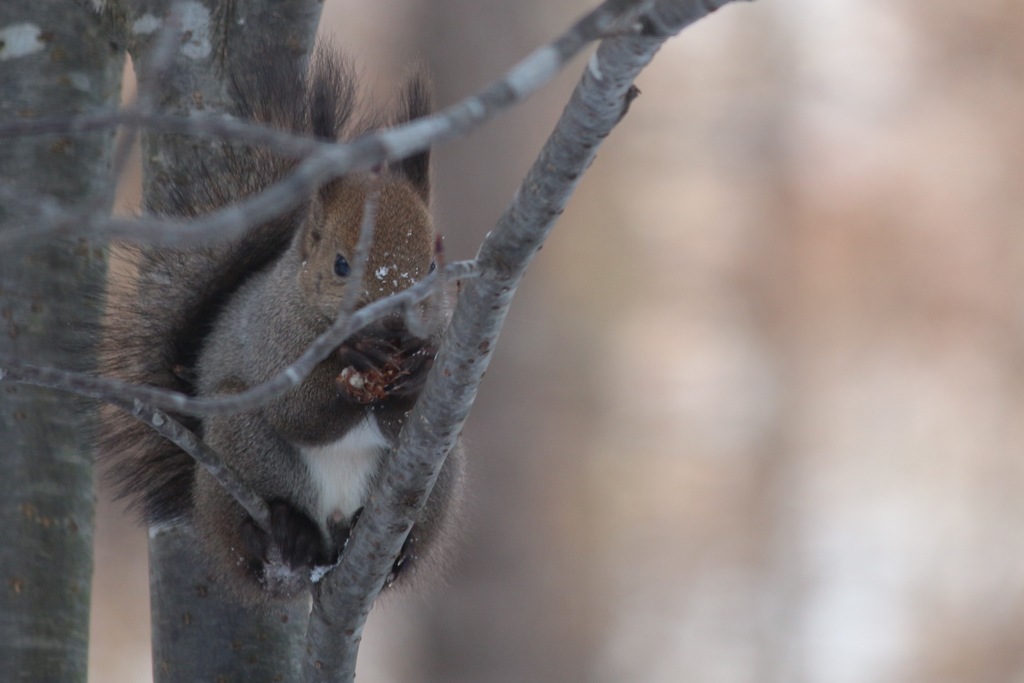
403,239
402,252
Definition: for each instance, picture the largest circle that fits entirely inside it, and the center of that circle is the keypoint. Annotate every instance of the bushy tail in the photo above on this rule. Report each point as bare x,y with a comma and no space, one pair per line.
157,320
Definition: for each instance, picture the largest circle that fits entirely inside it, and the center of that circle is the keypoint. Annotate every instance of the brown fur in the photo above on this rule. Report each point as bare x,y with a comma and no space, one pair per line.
220,320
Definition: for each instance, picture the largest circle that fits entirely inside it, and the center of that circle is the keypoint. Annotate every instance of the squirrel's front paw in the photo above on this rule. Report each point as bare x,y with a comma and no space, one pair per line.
377,369
294,539
366,353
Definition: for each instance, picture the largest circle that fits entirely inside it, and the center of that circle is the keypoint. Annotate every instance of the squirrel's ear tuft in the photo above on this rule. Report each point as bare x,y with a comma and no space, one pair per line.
417,101
332,93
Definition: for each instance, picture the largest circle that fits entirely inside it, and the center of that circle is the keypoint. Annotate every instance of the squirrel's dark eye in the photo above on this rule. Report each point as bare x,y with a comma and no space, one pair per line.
341,267
433,266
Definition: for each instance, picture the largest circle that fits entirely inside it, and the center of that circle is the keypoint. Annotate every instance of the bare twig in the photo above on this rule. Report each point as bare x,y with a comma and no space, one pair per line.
15,370
416,318
343,600
160,421
217,126
325,161
187,441
361,256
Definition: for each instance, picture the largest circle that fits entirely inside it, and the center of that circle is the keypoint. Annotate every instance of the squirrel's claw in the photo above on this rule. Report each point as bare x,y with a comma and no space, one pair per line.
365,353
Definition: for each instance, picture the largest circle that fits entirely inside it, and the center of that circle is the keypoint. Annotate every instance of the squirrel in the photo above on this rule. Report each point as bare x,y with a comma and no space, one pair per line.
209,321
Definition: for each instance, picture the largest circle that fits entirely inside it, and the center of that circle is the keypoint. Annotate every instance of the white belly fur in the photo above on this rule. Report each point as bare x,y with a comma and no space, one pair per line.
342,470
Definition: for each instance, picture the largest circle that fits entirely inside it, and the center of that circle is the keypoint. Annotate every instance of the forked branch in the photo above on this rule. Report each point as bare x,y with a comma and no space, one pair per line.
343,600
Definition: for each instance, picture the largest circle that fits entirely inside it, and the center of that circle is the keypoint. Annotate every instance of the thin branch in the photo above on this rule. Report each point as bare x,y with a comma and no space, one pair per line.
15,370
186,440
203,125
361,256
343,600
166,426
326,161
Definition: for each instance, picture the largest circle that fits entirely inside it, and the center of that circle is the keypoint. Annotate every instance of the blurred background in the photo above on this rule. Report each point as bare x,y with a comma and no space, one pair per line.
758,411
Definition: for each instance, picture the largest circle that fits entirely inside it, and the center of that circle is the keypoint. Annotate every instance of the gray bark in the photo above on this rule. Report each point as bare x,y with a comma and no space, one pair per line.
198,630
189,72
55,59
202,634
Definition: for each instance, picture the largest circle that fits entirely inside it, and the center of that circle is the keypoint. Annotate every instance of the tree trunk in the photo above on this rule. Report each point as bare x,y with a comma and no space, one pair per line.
199,633
198,630
56,59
